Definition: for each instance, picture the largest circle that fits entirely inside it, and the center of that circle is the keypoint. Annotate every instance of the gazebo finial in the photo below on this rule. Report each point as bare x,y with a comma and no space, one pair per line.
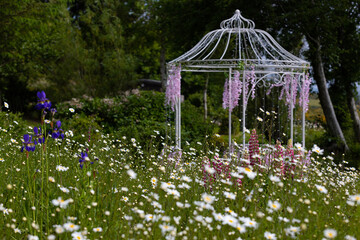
237,21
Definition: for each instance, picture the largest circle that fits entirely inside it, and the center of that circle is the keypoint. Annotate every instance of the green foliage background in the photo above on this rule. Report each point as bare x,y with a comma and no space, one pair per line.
98,49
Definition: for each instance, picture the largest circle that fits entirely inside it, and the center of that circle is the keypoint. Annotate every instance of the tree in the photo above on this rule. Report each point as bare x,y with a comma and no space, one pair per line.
346,69
29,34
314,20
106,68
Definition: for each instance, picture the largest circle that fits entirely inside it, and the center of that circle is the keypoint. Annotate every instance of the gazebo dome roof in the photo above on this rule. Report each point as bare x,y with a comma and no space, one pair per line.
237,41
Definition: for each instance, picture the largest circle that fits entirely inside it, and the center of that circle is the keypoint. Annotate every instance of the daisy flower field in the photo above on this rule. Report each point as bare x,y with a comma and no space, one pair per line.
54,187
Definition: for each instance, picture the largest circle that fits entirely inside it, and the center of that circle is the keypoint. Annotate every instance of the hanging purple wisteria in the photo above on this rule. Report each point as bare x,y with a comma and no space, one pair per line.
304,93
251,77
290,91
173,86
236,88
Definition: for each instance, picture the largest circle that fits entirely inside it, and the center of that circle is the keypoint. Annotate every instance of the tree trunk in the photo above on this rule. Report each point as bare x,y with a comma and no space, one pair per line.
163,67
324,96
353,111
205,96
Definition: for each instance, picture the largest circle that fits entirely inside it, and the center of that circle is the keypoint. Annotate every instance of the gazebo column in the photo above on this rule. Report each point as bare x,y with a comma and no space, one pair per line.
230,78
244,108
303,113
291,111
178,123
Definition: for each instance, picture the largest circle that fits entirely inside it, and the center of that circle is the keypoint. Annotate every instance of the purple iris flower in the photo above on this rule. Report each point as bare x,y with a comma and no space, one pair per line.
53,111
39,135
57,132
85,158
29,144
43,102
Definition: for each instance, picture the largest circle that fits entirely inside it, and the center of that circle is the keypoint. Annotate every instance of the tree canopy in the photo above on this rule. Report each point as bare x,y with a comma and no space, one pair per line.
100,48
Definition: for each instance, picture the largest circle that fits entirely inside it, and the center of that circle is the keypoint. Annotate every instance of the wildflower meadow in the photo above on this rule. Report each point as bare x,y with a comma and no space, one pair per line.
54,187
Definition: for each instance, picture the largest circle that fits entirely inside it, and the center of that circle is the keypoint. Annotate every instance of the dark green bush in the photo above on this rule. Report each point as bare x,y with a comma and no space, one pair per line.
82,127
136,116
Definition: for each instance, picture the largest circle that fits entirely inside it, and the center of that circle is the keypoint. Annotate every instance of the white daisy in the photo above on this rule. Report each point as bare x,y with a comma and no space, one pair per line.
250,223
269,235
61,168
70,227
78,236
209,169
131,173
97,229
321,189
317,150
166,228
248,171
59,229
241,228
207,198
330,233
355,198
274,178
60,202
230,195
274,205
230,220
31,237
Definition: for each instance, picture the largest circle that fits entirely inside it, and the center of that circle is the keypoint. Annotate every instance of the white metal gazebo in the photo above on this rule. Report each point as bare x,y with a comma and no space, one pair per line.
238,48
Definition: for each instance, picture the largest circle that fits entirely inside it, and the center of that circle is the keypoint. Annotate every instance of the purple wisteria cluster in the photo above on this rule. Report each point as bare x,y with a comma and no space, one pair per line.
251,78
236,88
304,93
289,89
173,86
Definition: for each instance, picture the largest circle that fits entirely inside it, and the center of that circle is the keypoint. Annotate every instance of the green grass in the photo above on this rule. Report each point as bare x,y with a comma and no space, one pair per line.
102,194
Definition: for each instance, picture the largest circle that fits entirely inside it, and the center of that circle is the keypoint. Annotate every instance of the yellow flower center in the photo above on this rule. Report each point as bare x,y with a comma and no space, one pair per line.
248,169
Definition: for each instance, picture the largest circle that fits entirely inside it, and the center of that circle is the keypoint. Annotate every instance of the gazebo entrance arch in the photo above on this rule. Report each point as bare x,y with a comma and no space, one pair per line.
252,58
